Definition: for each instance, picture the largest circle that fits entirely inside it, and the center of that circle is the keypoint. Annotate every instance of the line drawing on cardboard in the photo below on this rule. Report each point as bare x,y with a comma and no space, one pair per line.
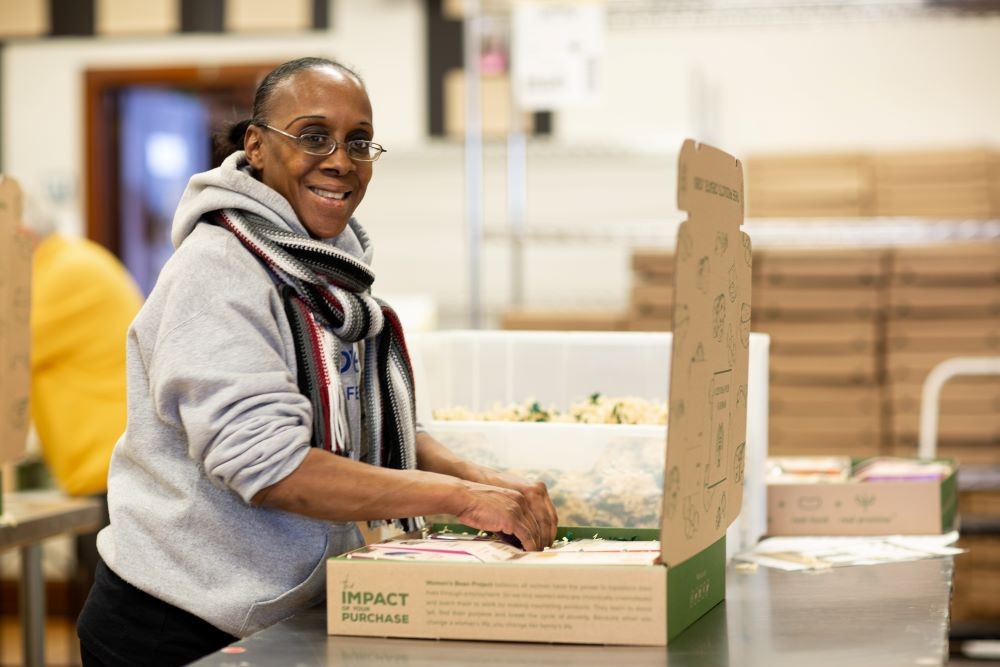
745,324
721,243
704,274
718,317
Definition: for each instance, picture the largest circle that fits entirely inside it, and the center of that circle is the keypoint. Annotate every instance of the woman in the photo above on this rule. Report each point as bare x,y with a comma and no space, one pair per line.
247,456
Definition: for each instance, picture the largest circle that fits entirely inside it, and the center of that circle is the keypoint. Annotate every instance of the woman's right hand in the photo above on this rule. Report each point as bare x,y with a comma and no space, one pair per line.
502,510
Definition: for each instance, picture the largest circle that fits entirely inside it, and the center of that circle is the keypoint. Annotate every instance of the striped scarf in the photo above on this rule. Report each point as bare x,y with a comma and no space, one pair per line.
326,296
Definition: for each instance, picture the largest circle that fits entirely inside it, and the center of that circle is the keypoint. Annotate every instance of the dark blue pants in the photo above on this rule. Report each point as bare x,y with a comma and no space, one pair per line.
121,625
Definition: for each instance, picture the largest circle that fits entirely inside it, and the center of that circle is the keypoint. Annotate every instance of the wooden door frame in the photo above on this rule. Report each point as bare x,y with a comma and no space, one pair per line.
100,128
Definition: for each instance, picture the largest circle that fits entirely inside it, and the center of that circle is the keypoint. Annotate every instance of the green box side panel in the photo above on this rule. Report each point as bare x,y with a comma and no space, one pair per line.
695,586
949,502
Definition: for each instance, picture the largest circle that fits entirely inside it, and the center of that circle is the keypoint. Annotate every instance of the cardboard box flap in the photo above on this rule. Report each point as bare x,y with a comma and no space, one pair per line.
706,437
15,331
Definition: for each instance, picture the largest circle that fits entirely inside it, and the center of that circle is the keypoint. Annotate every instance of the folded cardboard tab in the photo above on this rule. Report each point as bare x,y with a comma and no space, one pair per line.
590,602
15,331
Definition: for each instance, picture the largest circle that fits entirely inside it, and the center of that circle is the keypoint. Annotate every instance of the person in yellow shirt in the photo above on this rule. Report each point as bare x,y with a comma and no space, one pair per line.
82,302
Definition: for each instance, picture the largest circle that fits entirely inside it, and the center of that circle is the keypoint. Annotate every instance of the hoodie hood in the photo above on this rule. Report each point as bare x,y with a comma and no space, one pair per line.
232,185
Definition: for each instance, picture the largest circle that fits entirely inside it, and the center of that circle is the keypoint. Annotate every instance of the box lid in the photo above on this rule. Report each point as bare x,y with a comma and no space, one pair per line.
706,438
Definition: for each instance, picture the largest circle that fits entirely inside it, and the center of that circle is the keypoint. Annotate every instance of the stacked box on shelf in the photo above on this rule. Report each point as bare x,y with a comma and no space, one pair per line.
544,319
976,589
828,186
822,310
652,302
975,595
944,301
934,184
994,169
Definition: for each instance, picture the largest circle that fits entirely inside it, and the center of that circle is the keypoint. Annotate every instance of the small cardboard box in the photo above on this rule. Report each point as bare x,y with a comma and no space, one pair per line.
704,467
863,507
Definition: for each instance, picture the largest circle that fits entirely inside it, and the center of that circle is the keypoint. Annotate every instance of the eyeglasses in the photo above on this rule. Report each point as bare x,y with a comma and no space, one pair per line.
361,150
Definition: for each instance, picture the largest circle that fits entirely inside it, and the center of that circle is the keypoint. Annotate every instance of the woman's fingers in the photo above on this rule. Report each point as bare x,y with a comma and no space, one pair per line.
510,511
537,494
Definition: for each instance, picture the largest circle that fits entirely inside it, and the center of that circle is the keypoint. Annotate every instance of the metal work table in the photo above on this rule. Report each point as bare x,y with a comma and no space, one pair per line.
29,518
868,615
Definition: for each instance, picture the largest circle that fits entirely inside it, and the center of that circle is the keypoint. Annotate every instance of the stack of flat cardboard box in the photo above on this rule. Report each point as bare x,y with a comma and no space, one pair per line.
822,309
944,301
652,296
976,591
810,186
934,184
578,319
949,183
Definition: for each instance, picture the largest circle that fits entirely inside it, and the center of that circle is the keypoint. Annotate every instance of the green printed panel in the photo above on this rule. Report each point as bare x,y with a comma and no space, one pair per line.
695,586
949,502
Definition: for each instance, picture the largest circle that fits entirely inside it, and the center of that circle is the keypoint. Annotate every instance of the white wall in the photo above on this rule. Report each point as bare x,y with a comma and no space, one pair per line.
917,81
905,83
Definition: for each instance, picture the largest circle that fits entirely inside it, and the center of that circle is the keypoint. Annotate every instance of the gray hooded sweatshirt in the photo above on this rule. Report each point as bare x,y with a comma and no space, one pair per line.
214,416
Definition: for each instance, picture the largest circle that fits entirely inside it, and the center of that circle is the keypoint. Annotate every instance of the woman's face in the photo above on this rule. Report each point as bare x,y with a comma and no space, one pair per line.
323,190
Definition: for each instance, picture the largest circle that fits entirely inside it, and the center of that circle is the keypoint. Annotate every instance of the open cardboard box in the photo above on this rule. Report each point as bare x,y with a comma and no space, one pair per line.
703,473
854,507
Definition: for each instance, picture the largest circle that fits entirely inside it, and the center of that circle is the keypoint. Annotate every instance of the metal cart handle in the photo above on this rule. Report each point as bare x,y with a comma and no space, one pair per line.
930,399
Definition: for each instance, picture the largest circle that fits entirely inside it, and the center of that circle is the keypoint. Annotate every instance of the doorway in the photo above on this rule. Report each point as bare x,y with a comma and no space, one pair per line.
147,132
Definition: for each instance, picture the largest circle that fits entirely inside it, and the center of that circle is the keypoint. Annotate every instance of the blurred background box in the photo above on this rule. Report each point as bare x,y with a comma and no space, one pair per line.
658,299
974,429
563,320
965,301
962,264
495,107
964,395
831,267
824,369
653,265
834,338
913,366
809,185
816,303
651,300
935,184
976,590
843,435
824,401
966,335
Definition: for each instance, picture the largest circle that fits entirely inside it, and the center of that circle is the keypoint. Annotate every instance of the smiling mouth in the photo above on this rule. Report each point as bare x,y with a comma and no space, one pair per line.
327,194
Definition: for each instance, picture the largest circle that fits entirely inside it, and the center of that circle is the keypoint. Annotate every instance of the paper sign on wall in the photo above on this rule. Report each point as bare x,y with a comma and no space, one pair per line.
555,52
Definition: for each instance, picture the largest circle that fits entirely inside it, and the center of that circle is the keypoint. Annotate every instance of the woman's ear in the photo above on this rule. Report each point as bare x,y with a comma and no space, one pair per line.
253,145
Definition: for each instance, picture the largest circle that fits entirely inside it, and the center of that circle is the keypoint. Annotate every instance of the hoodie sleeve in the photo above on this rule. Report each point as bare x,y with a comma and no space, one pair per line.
222,371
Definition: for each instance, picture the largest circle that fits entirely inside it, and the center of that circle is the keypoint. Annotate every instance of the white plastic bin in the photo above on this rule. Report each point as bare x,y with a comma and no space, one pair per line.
597,474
